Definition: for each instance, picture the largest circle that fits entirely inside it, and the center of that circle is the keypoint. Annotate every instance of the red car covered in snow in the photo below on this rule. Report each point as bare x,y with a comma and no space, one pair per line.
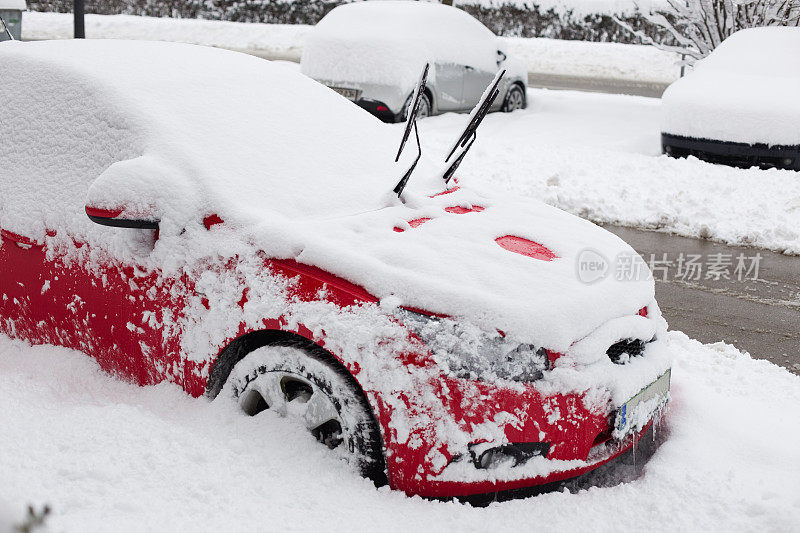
251,251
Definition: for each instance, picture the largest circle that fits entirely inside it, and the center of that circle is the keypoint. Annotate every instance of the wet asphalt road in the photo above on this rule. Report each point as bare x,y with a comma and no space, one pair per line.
759,313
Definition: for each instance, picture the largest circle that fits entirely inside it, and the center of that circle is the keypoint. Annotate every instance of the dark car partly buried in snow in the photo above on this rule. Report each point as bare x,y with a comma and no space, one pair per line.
740,105
255,252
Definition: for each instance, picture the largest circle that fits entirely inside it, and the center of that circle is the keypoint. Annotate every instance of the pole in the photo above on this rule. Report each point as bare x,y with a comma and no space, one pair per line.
80,31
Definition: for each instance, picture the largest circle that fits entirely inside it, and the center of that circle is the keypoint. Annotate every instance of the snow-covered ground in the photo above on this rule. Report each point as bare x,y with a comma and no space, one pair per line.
109,456
599,156
281,41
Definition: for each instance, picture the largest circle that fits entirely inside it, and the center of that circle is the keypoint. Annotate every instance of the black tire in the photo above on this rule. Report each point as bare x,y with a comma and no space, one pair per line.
425,108
515,99
279,375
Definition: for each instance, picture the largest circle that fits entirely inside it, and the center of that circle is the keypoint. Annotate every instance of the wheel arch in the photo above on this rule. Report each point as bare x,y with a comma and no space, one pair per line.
401,116
242,345
431,100
238,348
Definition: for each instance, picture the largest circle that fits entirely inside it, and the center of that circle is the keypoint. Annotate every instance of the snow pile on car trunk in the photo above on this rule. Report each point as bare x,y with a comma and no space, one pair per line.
745,91
108,455
389,42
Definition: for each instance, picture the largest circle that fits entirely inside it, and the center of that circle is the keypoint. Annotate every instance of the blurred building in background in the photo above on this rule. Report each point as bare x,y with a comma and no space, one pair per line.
11,13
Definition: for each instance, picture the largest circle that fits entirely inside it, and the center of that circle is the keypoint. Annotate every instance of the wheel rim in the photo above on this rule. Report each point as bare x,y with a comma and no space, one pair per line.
296,397
424,107
515,100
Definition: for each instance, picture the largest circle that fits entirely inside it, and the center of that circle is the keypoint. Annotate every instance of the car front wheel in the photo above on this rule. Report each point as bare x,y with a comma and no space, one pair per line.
515,99
318,394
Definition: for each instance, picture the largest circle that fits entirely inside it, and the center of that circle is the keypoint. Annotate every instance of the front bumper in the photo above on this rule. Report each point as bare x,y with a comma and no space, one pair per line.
488,490
732,153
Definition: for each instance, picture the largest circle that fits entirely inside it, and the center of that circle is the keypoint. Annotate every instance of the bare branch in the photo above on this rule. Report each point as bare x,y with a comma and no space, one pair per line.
699,26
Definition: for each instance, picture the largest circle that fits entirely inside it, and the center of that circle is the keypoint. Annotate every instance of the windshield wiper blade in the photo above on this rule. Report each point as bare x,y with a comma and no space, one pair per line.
413,110
467,138
398,189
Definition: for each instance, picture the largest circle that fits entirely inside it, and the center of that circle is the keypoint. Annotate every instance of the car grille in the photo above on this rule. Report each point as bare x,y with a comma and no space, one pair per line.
632,347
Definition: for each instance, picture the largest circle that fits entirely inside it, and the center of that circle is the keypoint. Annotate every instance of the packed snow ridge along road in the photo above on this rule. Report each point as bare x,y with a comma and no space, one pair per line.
109,456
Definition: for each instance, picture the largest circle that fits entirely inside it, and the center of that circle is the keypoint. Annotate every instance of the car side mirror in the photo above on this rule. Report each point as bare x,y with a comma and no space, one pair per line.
118,219
501,57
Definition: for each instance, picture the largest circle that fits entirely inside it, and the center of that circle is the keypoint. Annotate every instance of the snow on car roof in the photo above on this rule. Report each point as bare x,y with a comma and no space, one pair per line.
745,91
390,41
769,51
180,132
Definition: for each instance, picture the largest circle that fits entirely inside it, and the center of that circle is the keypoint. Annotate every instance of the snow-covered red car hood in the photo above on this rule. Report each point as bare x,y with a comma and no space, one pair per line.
447,260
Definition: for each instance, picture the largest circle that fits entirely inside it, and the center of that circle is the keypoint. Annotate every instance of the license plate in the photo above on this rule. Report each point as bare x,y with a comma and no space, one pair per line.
350,94
637,411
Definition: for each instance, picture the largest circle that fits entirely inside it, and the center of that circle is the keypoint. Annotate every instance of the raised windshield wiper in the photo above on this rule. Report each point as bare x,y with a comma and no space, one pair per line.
413,110
468,136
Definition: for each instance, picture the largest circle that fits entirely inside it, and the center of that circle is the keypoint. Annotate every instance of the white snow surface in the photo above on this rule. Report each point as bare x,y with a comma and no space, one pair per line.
106,455
599,156
745,91
389,42
13,4
279,41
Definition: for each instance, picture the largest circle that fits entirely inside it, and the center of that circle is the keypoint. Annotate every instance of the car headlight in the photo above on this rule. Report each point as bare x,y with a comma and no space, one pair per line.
466,351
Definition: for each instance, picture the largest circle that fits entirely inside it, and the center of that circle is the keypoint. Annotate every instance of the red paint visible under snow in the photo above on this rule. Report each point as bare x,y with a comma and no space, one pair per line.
212,220
413,223
103,213
518,245
643,312
19,239
448,191
458,210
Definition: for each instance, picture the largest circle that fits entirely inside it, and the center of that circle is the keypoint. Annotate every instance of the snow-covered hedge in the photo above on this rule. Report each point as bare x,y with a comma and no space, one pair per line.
545,18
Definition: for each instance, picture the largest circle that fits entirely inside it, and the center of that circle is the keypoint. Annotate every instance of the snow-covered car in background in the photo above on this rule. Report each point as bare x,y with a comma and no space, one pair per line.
372,53
740,105
441,341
